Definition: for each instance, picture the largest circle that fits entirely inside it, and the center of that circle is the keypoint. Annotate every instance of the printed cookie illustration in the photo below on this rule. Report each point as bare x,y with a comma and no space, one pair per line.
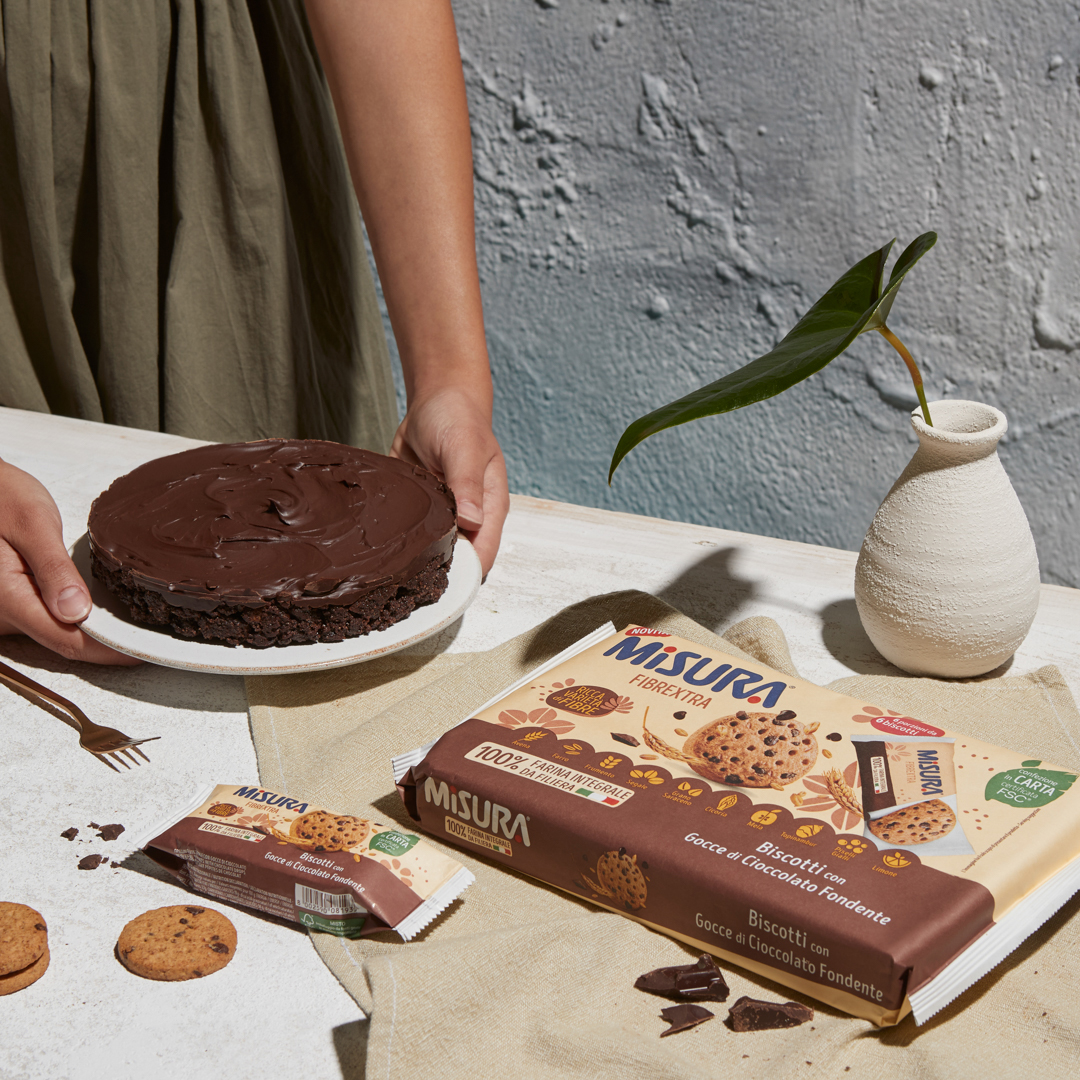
322,831
918,824
619,877
757,749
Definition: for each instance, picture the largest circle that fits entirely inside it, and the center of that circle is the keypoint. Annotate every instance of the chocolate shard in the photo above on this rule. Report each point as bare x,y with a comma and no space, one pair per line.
700,981
684,1017
92,862
748,1014
628,740
110,832
70,834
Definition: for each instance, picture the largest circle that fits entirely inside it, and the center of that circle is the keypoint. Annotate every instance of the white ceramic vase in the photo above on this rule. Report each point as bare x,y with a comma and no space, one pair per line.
947,582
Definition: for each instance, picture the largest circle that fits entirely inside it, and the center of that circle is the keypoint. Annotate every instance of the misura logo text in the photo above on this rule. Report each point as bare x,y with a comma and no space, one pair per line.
488,815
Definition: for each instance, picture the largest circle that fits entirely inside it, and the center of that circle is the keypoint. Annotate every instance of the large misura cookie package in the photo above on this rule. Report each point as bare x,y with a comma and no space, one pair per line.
865,858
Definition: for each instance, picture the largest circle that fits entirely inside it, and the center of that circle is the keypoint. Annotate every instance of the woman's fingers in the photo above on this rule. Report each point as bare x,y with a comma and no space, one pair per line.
42,595
448,434
22,611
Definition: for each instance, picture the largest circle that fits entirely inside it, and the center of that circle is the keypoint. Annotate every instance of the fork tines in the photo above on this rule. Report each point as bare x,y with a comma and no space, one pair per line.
104,755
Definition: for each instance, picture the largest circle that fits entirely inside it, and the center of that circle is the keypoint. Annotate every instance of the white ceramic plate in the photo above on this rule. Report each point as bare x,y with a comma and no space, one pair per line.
110,623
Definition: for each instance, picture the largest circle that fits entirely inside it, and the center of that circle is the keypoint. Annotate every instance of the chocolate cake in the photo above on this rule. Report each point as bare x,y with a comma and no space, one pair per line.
273,543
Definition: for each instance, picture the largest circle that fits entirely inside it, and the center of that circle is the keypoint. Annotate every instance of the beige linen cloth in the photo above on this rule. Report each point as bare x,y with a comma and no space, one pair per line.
520,980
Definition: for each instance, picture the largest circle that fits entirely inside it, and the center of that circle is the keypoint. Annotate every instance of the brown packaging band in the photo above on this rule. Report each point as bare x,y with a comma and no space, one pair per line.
335,873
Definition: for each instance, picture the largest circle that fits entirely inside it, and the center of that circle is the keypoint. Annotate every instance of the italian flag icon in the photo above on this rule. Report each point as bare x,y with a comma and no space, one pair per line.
597,796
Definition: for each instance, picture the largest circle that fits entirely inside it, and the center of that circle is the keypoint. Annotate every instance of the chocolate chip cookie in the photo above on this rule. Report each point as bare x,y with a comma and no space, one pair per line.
20,980
24,937
175,943
918,824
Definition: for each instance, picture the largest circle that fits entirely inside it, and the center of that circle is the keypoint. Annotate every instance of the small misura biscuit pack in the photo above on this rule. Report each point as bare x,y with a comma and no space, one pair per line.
338,873
865,858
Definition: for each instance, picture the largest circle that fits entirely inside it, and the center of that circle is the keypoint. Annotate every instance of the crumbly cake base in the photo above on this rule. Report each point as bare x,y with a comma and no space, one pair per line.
279,621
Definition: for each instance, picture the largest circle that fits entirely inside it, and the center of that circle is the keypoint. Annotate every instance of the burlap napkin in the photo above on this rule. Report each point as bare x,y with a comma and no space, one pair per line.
520,980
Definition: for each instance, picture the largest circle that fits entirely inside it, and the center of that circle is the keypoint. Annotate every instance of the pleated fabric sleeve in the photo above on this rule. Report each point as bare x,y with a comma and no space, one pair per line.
180,246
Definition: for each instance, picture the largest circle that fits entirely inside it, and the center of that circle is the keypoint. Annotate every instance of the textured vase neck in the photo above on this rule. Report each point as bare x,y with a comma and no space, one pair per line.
962,431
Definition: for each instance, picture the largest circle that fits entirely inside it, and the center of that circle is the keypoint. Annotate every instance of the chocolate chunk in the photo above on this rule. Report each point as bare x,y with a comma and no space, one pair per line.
92,862
747,1014
110,832
679,715
219,946
834,736
684,1017
628,740
700,981
787,714
70,834
194,910
93,825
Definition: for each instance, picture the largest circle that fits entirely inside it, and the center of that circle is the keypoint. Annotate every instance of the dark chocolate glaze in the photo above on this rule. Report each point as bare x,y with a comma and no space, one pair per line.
314,522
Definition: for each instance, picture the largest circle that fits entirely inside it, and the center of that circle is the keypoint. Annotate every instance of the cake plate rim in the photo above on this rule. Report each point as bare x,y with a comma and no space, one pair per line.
108,624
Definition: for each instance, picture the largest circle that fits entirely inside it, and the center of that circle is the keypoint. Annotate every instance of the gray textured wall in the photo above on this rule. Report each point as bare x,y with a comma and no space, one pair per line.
663,187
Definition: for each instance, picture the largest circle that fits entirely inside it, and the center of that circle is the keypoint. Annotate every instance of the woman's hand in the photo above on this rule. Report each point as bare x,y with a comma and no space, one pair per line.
394,71
449,434
41,592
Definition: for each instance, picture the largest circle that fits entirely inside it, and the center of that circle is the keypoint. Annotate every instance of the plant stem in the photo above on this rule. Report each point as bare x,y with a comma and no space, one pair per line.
912,367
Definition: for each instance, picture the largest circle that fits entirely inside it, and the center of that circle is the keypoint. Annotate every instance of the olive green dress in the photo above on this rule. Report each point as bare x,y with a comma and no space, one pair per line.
180,247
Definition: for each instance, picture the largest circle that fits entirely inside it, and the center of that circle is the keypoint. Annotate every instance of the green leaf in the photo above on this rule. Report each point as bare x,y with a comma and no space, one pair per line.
853,305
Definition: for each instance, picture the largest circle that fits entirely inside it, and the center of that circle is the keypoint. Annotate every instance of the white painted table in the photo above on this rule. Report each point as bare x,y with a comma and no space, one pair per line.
276,1010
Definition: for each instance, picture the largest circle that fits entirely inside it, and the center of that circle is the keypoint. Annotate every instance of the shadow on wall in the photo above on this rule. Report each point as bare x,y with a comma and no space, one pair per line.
709,591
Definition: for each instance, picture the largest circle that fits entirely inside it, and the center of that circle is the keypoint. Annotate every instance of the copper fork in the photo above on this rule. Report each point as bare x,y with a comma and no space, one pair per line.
103,742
